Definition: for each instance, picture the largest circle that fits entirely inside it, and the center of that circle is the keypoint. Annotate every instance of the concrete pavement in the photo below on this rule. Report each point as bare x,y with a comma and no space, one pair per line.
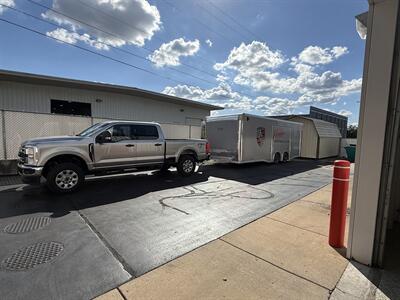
284,255
121,227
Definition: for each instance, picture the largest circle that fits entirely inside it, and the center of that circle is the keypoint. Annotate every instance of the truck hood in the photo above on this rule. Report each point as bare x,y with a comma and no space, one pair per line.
53,139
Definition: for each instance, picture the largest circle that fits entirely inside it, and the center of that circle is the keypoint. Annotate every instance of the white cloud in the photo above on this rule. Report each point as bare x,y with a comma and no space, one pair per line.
73,38
315,55
134,21
275,106
221,95
254,56
256,66
221,78
345,113
169,53
10,3
338,51
259,68
209,43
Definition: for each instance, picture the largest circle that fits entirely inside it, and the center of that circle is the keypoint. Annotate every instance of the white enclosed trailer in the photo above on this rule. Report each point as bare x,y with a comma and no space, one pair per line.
248,138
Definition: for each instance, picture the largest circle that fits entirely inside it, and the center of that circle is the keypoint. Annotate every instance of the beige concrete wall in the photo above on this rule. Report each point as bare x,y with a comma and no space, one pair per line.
372,125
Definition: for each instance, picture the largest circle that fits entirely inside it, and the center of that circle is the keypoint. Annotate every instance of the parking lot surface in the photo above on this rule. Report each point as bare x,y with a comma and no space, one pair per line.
81,245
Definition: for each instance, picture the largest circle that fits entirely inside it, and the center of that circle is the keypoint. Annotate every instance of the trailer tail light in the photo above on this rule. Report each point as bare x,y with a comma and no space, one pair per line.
208,148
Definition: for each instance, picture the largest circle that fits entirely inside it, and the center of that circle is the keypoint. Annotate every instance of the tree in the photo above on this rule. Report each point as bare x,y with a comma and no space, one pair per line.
352,132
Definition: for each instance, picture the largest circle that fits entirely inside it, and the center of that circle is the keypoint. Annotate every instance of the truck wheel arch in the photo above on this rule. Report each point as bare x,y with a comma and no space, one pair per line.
188,152
61,158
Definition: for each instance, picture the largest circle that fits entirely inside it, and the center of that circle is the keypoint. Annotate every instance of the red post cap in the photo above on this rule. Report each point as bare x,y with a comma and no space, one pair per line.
342,163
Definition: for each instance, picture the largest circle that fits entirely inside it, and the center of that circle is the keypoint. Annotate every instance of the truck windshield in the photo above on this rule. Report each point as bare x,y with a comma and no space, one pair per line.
91,129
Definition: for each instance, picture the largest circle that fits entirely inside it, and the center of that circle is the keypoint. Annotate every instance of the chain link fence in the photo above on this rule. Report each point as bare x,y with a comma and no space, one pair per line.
16,127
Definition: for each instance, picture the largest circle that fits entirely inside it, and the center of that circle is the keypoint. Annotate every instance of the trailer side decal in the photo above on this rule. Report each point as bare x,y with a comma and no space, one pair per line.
260,136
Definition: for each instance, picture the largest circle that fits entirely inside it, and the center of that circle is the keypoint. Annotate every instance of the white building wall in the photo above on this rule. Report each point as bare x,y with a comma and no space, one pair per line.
36,98
372,125
27,113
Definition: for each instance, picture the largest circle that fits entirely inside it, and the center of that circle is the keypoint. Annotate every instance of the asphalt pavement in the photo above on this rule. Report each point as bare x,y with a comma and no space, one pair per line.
81,245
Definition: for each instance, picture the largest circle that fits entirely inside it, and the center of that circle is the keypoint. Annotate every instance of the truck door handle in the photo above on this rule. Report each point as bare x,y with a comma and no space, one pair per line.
130,145
158,144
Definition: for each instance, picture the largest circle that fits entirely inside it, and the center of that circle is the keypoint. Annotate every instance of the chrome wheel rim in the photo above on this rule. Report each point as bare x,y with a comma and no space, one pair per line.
187,166
67,179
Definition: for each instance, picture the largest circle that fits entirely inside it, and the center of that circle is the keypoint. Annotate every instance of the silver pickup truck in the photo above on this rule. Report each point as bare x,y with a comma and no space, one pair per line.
107,147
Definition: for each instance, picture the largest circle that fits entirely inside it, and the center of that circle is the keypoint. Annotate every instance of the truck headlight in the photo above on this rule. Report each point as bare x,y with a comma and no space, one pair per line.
32,155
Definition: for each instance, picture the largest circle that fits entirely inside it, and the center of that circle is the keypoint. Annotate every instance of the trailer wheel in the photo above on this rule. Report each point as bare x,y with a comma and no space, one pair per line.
277,158
285,157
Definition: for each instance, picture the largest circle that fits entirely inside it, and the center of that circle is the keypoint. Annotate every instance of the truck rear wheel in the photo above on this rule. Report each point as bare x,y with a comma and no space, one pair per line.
65,178
186,165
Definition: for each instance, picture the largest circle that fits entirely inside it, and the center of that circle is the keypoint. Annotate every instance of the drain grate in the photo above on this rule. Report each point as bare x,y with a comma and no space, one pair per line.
29,224
32,256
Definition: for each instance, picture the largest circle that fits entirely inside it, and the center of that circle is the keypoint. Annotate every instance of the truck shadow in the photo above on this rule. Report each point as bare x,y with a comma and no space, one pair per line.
130,187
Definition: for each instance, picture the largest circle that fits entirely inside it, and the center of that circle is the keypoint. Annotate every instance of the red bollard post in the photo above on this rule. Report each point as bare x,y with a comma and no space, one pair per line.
340,190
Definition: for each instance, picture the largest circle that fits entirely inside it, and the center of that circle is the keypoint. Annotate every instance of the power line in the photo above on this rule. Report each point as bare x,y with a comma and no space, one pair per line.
99,29
129,25
221,21
88,50
106,44
201,23
109,57
109,33
234,20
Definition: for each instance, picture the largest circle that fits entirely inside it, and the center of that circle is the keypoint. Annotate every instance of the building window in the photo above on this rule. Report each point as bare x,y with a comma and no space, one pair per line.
70,108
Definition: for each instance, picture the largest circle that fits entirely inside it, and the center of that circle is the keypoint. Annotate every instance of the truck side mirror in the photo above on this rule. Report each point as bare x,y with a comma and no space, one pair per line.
104,137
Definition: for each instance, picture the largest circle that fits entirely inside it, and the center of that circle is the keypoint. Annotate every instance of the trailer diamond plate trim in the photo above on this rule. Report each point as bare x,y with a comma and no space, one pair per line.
33,255
28,224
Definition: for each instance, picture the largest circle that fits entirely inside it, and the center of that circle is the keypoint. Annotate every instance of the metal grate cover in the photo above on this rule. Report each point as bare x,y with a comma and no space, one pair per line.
33,255
29,224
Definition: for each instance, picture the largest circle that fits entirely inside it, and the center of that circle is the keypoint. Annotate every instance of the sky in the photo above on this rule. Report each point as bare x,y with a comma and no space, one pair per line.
266,57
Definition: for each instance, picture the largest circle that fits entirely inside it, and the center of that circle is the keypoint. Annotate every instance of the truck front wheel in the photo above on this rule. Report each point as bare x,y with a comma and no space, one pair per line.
186,165
65,178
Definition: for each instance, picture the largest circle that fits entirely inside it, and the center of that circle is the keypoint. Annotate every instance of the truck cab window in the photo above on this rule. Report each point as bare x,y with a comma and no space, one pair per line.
144,132
120,133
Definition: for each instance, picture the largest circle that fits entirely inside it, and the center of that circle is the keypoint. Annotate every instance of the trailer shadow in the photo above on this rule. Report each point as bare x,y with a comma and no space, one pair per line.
258,173
17,201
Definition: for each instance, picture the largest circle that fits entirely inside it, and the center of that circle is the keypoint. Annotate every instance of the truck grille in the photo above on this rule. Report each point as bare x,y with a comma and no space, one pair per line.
22,156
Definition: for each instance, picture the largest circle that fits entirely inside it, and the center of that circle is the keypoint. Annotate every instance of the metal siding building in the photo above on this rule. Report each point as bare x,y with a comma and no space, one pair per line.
320,139
26,105
325,115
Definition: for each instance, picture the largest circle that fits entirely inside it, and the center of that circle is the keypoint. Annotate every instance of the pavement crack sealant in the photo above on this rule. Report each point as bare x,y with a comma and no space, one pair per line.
113,252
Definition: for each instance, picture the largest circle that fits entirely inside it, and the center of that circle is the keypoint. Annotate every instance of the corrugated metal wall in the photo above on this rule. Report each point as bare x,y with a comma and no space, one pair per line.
36,98
26,109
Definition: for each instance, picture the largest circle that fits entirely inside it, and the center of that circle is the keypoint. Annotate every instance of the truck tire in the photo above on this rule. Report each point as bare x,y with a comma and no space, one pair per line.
186,165
65,178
